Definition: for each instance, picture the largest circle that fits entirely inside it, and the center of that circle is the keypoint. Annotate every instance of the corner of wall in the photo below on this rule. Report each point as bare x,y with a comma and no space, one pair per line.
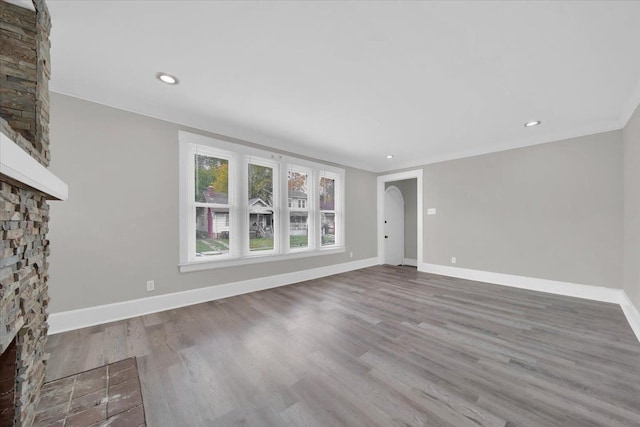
631,210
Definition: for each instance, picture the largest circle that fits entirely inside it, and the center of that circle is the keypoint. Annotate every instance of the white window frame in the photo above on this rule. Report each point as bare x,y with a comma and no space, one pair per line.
192,151
309,209
338,208
258,161
239,157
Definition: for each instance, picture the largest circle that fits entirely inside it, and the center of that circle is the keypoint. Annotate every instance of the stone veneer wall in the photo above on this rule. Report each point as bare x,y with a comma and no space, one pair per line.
23,289
24,213
24,76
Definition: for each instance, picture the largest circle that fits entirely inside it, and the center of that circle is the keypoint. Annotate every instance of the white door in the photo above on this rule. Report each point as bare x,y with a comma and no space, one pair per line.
393,226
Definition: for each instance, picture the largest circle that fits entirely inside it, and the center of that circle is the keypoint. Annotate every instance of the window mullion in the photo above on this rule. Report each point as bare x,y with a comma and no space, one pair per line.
284,210
242,191
275,205
339,211
191,216
314,220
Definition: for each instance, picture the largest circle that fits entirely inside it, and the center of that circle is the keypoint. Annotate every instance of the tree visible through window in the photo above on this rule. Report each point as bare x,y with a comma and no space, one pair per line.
261,212
327,211
298,212
212,205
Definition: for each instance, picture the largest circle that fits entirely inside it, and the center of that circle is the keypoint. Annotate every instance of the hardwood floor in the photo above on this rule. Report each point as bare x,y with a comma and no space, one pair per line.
379,346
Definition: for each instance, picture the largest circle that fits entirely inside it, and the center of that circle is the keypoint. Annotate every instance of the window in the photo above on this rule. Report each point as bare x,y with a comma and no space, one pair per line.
297,185
210,205
262,215
241,205
328,210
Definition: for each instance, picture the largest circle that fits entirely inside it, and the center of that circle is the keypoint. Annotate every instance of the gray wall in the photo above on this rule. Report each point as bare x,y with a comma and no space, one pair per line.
550,211
409,190
119,227
632,208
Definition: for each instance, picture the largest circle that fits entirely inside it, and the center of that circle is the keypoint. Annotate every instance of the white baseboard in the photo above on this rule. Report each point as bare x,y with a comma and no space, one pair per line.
596,293
410,261
632,314
76,319
84,317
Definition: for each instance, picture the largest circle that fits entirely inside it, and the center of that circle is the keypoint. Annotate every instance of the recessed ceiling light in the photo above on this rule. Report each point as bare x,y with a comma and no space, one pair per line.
389,156
532,124
167,78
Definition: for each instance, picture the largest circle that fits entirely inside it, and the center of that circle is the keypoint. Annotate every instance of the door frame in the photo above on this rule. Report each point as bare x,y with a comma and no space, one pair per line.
394,189
399,176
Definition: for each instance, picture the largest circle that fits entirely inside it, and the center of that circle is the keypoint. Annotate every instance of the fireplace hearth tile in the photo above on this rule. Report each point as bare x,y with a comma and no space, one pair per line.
89,417
89,385
108,395
123,397
122,376
50,415
56,393
88,401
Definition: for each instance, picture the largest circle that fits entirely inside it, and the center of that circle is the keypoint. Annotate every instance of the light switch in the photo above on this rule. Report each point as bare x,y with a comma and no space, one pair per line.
431,211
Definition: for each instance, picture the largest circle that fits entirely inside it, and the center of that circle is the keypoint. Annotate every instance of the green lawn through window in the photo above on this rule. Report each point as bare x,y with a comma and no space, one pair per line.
261,244
208,245
298,241
258,243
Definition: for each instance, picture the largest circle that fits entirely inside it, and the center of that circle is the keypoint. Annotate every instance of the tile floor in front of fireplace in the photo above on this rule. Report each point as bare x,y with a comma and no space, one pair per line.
106,396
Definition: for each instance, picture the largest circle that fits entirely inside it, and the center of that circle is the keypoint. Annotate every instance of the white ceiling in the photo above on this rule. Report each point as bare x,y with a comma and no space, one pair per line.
353,81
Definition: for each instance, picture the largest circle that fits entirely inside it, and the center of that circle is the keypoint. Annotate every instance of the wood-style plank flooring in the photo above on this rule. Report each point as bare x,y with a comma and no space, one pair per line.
382,346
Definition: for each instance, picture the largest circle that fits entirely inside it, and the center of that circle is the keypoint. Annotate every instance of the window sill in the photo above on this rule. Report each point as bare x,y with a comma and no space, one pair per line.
211,264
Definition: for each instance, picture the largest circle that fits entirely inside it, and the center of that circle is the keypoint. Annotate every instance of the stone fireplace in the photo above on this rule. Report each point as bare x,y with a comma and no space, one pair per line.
26,186
8,382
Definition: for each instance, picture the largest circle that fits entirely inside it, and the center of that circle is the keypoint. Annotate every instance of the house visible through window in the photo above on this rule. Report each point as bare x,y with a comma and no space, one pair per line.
239,204
262,218
328,210
211,204
298,187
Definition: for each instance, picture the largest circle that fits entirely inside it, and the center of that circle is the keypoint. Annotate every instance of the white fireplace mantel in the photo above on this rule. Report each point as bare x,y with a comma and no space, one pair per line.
16,164
27,4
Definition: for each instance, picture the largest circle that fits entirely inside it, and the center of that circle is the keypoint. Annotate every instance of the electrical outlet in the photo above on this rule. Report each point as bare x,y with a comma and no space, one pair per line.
453,260
151,285
351,254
